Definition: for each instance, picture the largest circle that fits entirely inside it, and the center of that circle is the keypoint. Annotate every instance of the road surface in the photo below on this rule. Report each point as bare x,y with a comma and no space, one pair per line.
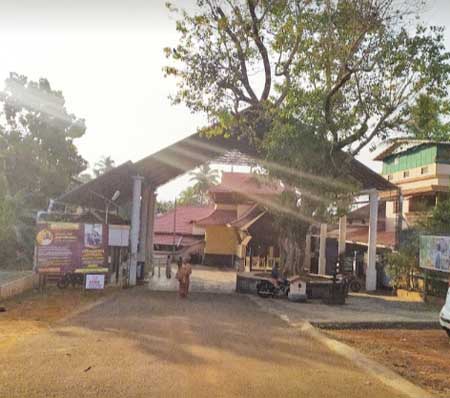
140,343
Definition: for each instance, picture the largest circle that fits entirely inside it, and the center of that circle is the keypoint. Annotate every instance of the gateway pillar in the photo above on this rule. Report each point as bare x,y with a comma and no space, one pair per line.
135,227
322,250
371,273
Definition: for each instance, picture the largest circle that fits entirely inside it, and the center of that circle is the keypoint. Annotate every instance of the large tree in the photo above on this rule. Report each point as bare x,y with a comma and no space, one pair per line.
304,80
38,158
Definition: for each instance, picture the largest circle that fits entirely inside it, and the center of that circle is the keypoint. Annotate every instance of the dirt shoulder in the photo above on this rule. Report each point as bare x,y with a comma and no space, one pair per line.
421,356
32,311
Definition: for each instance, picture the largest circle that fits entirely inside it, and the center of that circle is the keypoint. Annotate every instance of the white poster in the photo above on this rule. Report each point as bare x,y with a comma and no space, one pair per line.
435,253
119,235
95,281
93,235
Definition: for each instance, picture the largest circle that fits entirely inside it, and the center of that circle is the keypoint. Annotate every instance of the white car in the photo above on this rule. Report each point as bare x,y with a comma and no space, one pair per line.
444,316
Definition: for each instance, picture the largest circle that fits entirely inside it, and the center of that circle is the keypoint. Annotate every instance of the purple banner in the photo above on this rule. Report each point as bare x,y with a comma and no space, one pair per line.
65,247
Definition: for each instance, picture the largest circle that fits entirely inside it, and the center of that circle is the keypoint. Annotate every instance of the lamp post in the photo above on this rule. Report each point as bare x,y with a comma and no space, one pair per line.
113,199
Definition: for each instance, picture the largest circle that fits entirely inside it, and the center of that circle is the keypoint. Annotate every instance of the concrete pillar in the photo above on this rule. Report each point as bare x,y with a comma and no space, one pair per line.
371,272
307,259
342,234
150,231
143,225
135,227
322,249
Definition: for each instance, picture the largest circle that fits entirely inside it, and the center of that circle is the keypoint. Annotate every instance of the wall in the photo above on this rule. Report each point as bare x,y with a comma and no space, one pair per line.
391,216
220,240
17,286
197,230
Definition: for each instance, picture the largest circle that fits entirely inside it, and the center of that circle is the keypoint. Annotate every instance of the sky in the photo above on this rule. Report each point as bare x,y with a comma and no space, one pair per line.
106,56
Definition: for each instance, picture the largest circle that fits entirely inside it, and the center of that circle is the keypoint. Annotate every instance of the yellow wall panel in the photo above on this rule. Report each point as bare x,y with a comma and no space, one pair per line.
220,239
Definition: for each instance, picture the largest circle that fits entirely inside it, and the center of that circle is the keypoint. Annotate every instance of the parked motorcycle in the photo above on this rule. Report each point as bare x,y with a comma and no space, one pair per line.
70,279
267,288
354,284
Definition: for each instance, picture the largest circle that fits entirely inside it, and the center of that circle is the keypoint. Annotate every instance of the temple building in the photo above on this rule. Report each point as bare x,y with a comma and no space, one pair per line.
238,231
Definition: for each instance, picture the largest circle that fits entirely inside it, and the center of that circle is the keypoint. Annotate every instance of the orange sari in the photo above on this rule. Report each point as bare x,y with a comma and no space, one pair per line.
183,276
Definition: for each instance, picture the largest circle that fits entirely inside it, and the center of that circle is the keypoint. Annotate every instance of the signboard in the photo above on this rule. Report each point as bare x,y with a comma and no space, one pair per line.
65,247
435,253
95,281
118,235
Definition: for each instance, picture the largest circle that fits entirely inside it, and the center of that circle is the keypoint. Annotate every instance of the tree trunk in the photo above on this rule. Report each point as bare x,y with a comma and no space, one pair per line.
292,253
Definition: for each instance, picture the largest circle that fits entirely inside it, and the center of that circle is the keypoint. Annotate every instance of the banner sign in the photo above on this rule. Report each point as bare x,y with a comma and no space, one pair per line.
435,253
95,281
65,247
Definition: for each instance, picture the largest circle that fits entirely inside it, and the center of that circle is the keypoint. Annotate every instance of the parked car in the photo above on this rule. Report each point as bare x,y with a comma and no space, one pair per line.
444,316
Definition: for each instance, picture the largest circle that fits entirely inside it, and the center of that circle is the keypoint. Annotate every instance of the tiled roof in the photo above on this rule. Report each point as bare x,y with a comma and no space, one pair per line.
248,216
360,235
184,217
218,217
180,240
247,183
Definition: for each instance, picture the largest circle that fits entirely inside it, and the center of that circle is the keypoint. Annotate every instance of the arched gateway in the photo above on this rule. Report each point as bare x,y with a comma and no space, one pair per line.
138,181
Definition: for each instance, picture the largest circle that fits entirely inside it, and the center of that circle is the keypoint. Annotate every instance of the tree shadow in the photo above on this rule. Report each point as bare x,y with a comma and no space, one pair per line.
202,329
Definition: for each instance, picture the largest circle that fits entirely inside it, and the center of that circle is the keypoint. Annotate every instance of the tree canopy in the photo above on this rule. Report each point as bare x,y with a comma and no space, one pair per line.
38,157
350,70
304,80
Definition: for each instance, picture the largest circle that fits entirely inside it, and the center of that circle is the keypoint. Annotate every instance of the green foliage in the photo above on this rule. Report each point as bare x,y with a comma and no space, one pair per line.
350,70
106,163
303,80
428,119
401,267
438,221
84,178
189,197
36,140
204,179
38,159
163,206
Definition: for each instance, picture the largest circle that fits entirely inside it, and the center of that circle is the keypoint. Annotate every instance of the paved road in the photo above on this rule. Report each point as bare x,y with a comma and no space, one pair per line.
153,344
359,309
203,279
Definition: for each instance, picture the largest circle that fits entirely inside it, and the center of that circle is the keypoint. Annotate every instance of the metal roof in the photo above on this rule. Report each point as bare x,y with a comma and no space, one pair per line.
402,144
179,158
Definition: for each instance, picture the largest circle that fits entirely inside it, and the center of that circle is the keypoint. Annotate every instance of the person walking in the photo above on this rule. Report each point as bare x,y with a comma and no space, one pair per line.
183,276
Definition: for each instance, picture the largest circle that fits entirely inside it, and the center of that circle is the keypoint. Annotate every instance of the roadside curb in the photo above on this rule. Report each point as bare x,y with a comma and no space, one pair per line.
373,368
409,325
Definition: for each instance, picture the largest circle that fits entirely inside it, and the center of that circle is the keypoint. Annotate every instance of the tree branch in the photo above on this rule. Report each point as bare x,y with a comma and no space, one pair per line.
262,50
241,57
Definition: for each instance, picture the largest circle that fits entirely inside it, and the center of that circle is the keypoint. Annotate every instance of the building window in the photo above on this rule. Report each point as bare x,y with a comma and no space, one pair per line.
406,174
390,177
424,170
